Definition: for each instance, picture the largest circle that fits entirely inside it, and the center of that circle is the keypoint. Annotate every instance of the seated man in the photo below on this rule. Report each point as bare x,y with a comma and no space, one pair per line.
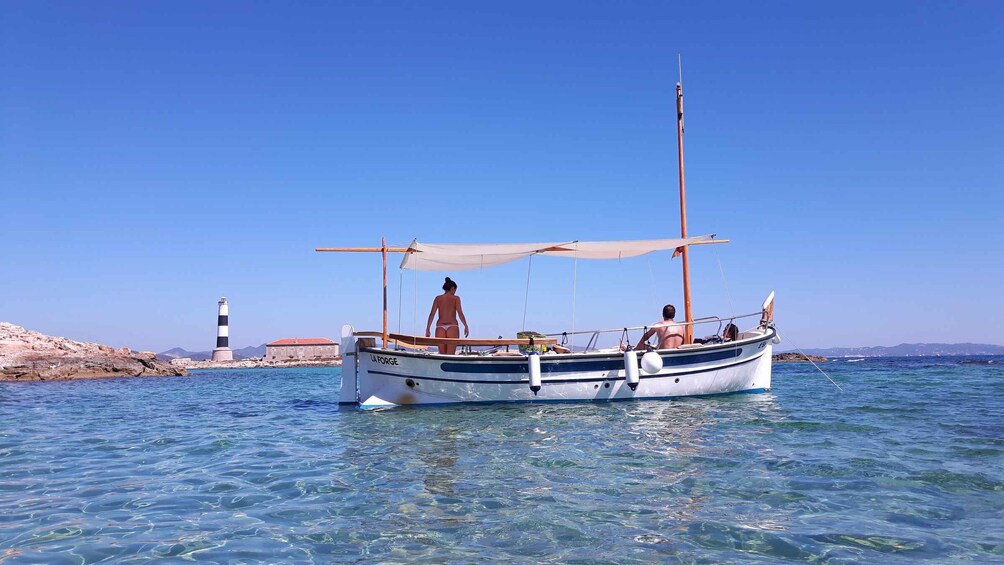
669,332
731,332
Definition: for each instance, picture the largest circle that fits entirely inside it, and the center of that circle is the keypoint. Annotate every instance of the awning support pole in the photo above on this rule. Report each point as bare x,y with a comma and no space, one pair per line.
383,252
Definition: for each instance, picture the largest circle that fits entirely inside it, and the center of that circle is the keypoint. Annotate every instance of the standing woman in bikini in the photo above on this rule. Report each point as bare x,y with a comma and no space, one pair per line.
448,305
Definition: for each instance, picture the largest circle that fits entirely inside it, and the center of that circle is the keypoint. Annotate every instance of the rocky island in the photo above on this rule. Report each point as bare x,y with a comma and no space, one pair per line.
791,357
27,355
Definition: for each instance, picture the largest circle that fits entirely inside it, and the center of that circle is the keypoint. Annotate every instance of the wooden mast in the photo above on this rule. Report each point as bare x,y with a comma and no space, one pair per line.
688,331
383,252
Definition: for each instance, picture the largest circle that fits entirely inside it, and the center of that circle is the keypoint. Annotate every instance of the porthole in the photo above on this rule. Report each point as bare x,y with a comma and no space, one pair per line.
606,385
677,379
410,383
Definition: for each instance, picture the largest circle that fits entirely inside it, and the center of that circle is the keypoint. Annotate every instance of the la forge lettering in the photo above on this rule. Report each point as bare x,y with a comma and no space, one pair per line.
384,360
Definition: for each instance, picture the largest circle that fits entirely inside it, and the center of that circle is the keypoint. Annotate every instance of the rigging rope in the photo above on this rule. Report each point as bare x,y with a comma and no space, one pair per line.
725,283
651,276
526,297
625,339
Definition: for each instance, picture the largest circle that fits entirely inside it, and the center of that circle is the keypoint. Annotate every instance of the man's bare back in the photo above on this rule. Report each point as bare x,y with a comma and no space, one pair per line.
670,334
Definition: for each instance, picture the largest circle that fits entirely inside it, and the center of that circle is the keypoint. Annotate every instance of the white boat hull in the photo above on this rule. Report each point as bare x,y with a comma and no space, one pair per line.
385,377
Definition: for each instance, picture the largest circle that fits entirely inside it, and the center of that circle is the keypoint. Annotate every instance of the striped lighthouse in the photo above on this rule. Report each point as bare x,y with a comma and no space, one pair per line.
222,351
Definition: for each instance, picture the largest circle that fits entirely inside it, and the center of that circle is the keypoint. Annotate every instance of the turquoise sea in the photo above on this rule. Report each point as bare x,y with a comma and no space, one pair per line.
906,464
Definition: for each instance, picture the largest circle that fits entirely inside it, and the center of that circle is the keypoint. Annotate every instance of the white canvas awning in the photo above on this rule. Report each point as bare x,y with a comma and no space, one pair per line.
461,257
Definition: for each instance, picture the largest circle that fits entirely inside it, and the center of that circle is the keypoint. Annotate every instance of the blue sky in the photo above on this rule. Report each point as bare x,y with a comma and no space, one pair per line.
156,156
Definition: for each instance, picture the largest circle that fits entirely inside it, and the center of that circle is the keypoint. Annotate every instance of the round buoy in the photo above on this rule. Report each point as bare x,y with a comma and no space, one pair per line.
631,368
651,362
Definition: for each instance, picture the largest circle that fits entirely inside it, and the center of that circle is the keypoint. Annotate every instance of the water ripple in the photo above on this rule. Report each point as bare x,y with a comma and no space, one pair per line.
263,466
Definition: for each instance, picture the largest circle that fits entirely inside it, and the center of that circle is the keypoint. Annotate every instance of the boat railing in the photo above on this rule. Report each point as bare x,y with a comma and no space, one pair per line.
552,339
594,335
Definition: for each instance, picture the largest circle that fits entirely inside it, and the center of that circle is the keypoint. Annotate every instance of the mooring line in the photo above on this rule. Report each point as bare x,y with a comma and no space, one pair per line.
797,348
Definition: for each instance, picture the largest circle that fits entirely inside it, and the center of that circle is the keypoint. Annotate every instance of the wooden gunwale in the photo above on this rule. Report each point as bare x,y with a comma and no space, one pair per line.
405,339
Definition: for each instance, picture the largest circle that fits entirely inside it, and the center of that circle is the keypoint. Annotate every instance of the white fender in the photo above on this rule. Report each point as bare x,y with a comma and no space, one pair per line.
534,360
651,362
631,368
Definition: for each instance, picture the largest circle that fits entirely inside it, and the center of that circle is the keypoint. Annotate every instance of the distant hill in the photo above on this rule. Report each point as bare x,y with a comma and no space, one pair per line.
178,353
249,352
242,353
911,350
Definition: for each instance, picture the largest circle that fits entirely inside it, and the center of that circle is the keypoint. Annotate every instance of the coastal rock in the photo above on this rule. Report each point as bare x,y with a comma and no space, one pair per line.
795,357
27,355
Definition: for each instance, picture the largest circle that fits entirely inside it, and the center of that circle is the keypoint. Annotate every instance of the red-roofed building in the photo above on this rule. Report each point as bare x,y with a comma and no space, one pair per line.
301,348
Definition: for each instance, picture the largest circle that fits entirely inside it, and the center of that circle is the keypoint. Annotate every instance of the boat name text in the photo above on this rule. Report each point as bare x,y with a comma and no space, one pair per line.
384,360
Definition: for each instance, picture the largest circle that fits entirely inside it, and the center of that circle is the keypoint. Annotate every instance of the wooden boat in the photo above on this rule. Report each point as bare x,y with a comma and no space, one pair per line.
399,370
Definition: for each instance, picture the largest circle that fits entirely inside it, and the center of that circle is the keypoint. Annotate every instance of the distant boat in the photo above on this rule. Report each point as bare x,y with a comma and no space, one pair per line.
400,371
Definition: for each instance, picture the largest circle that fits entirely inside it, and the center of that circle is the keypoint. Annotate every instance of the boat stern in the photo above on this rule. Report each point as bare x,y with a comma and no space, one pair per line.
349,393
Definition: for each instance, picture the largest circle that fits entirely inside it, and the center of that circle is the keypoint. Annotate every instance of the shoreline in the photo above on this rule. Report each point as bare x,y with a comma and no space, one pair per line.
189,365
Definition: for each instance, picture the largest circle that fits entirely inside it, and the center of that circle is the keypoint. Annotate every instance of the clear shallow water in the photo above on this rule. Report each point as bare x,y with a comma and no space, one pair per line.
261,465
